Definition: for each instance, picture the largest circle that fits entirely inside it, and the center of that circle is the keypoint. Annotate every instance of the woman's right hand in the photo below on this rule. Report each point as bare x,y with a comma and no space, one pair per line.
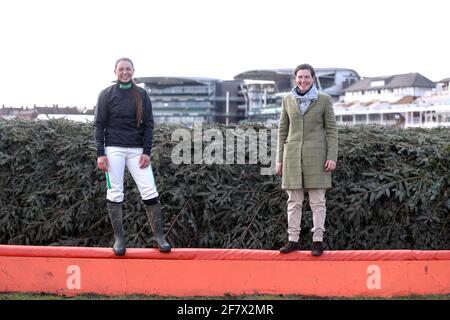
280,168
102,163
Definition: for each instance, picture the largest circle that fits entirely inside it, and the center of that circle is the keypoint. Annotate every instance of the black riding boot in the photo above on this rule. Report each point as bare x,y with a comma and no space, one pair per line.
115,215
156,223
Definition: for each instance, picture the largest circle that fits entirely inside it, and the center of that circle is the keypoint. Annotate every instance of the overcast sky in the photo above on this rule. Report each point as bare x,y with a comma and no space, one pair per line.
63,51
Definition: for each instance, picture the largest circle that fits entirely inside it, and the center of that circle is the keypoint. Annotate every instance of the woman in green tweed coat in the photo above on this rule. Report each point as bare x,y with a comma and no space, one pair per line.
306,154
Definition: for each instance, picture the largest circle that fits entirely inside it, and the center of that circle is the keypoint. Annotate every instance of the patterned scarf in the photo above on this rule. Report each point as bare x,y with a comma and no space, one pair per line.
305,100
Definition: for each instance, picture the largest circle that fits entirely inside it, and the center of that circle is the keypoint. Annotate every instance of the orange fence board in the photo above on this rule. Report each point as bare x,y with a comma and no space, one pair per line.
215,272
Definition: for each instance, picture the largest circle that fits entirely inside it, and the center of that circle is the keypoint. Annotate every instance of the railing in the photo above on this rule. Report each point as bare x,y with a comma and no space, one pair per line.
389,108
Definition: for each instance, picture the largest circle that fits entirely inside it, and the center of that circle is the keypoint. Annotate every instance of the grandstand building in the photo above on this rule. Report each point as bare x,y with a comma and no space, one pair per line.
403,100
183,100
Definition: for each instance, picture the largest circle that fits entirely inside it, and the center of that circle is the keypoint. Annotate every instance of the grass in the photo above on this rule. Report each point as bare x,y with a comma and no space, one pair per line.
45,296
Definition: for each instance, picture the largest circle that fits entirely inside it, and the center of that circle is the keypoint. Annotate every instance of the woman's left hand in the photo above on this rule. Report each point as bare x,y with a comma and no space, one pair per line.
144,161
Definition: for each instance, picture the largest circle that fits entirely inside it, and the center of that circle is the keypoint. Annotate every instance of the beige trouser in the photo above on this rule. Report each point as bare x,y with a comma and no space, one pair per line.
294,211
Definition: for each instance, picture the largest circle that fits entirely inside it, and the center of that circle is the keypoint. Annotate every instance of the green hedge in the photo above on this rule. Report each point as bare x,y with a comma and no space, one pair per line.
391,191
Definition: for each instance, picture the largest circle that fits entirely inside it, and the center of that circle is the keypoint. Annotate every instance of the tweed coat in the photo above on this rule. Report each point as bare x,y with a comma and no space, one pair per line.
305,142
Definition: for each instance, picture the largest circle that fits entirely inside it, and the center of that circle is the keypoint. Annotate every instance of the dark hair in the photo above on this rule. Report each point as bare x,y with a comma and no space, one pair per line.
135,93
305,66
123,59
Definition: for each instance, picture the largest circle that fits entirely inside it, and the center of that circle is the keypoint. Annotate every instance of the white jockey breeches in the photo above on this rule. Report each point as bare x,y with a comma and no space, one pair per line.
118,158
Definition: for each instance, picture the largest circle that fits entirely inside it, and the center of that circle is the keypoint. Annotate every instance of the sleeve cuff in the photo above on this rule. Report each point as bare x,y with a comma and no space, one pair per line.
100,153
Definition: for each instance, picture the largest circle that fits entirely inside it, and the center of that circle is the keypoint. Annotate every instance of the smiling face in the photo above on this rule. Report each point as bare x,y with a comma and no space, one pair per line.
124,71
304,80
